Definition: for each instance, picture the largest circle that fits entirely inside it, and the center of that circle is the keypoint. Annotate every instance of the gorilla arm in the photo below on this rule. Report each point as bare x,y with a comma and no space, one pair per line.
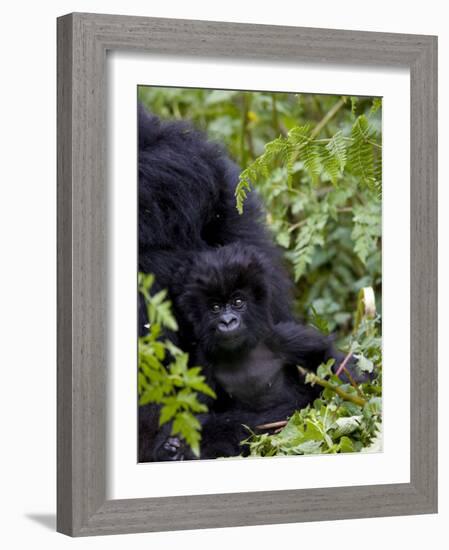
306,346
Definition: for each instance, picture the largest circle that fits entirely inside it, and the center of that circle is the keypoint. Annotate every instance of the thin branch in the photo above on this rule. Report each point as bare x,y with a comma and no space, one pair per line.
353,382
357,400
296,225
343,364
345,209
329,115
347,138
243,131
273,425
277,124
374,143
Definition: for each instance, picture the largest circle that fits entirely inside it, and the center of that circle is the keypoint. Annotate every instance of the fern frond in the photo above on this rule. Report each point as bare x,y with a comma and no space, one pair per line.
241,191
310,236
337,148
367,229
304,148
310,154
278,148
378,174
334,157
360,153
299,135
377,104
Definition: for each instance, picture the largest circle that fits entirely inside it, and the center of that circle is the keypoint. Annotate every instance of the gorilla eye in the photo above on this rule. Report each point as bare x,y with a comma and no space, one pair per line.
238,302
215,308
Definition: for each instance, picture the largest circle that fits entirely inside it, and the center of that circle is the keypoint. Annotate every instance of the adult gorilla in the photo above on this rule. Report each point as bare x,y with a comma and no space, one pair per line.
187,205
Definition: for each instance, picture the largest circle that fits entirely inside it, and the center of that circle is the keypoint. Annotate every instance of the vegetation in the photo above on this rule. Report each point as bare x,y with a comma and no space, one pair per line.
164,377
347,416
316,161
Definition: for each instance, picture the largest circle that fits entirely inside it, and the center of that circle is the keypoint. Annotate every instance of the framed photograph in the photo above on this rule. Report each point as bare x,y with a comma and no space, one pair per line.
247,274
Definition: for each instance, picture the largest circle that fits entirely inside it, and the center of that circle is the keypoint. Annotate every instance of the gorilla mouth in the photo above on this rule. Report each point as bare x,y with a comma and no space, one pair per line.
229,327
230,337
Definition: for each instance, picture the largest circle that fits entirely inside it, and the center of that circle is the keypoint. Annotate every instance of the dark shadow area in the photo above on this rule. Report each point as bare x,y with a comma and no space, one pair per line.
47,520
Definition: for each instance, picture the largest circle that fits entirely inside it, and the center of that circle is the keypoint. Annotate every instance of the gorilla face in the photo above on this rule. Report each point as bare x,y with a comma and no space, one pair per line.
225,299
229,315
228,321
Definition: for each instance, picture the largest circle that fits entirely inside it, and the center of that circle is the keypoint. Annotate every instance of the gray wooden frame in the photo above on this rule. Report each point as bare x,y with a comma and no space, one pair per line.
83,40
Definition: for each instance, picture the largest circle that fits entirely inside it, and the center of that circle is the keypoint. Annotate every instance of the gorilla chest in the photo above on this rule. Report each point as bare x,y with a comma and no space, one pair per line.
257,380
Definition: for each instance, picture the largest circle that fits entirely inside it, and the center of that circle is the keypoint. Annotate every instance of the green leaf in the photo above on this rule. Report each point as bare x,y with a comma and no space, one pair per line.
310,236
311,158
307,448
152,395
188,427
189,401
364,364
377,104
198,384
346,445
334,157
346,425
325,369
168,412
361,154
242,190
367,229
174,386
283,239
158,298
318,321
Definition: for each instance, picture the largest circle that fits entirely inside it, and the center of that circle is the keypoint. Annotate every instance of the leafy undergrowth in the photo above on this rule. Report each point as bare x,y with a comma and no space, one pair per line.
165,377
347,416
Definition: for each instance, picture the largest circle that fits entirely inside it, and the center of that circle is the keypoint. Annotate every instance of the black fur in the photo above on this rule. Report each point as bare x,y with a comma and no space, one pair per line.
187,205
252,368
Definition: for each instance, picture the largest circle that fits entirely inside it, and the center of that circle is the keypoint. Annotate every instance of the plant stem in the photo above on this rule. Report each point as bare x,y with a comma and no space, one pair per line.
274,114
329,115
374,144
296,225
353,382
243,154
325,384
343,364
272,425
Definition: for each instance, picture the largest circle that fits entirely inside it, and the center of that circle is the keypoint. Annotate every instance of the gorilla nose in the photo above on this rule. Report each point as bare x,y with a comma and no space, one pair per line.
228,322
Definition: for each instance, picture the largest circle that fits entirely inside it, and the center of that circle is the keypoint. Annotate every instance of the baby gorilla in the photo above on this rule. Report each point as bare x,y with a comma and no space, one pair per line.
248,360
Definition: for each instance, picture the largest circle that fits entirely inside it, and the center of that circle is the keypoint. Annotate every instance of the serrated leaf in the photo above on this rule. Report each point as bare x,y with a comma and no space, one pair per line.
186,425
309,237
334,157
367,229
360,153
168,412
